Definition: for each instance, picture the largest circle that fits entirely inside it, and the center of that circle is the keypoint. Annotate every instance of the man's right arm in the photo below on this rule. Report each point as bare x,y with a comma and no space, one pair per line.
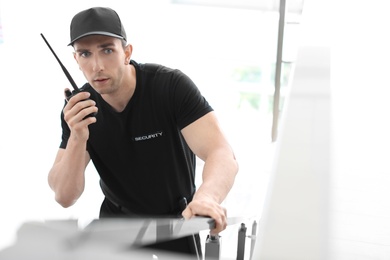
66,177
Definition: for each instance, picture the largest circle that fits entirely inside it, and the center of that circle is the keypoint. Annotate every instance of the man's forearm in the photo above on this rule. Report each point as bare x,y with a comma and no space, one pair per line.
66,178
219,173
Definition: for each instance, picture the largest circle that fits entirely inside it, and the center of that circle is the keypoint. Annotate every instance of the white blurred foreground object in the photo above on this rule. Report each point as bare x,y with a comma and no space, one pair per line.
115,238
295,224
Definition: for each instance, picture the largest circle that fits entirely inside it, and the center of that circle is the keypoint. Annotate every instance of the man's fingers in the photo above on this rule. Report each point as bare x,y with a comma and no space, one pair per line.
187,214
214,211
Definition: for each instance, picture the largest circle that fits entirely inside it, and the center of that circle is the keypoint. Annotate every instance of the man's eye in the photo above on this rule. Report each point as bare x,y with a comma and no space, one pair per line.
85,54
107,51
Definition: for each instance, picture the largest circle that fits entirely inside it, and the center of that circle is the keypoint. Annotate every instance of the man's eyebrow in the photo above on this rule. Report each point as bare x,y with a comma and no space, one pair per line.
105,45
81,50
101,46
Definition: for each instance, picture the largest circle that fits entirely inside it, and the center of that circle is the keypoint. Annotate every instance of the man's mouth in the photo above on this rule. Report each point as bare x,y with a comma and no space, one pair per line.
100,80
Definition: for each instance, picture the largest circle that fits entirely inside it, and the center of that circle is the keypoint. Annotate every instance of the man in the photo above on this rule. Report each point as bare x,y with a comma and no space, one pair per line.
149,123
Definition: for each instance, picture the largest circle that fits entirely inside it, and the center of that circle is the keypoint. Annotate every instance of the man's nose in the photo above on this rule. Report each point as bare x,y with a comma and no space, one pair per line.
97,64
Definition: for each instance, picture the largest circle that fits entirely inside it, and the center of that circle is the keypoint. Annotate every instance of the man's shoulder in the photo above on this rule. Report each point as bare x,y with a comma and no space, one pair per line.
156,68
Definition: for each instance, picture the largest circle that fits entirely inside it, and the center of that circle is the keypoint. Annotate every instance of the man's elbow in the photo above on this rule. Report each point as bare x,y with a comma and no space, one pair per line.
65,201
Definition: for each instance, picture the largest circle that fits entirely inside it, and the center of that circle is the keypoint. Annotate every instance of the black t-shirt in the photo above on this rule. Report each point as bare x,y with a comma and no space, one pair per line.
143,160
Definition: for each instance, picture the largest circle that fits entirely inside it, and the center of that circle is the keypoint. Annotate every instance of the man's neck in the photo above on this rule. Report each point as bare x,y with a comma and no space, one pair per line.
121,98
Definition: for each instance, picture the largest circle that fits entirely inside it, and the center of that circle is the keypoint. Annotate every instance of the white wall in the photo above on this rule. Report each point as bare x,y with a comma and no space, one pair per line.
295,221
360,101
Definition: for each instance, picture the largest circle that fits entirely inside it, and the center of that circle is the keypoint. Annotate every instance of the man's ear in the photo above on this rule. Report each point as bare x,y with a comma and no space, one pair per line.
128,52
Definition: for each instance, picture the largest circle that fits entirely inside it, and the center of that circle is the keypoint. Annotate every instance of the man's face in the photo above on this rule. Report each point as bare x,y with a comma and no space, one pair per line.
103,61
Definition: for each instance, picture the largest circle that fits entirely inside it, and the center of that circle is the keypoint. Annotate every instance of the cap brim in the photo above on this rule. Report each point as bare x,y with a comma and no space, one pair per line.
95,33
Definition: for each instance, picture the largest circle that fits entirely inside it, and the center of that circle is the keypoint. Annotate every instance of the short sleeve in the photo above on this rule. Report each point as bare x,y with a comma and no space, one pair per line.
189,104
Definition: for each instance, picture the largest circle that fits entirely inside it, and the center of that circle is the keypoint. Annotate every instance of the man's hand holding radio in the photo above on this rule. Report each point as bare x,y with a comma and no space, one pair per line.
77,114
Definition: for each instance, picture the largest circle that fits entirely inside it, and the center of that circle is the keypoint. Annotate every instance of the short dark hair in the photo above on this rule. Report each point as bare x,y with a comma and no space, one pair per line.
124,43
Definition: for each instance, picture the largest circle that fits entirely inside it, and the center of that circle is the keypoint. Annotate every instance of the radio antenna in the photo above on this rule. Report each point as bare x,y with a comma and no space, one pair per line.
62,66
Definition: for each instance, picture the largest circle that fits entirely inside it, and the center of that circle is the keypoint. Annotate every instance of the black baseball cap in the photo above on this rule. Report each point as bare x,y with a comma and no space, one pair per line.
96,20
